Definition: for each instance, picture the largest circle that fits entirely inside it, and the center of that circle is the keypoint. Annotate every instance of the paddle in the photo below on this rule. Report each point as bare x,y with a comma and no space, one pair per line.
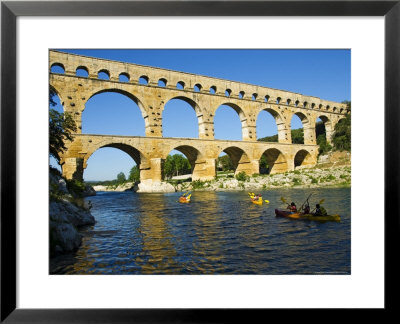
285,202
184,195
301,208
320,202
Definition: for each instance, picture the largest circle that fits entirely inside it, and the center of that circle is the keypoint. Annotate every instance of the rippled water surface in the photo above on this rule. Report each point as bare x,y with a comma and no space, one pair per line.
217,233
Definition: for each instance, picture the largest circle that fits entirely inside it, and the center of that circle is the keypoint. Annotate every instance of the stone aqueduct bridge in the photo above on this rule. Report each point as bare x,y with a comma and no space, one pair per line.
205,95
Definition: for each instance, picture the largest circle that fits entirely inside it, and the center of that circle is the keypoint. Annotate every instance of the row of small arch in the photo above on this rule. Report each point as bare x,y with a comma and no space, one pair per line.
301,157
104,74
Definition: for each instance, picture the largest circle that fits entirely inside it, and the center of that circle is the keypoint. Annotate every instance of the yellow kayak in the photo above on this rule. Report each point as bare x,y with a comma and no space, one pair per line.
185,200
258,201
287,214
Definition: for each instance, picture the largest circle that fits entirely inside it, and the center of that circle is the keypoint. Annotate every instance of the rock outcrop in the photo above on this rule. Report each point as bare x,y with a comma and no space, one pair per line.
66,215
149,186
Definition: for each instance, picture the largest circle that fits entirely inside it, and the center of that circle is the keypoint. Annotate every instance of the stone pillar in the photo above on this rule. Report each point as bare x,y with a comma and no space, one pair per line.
74,106
248,167
151,170
249,133
204,170
72,168
329,130
206,129
153,112
309,135
289,165
284,133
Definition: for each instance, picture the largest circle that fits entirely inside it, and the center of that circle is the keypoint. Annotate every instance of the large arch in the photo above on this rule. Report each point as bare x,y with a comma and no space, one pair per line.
240,159
308,129
279,123
242,119
276,160
191,153
195,107
328,127
73,166
134,98
99,117
303,159
133,152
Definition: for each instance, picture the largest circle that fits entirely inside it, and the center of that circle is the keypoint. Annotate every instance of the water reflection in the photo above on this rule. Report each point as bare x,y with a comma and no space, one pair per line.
217,233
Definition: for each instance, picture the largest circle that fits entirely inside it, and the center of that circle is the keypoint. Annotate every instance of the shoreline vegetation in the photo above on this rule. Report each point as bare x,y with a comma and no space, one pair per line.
332,170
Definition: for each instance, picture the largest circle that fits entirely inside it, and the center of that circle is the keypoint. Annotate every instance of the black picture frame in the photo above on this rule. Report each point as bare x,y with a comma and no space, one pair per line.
10,10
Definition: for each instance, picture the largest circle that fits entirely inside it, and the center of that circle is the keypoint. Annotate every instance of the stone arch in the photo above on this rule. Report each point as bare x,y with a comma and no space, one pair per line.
76,169
58,93
124,75
197,87
191,153
194,156
328,127
143,80
106,72
308,129
279,120
59,65
133,152
82,68
303,159
276,160
180,85
199,113
240,159
162,82
134,98
241,114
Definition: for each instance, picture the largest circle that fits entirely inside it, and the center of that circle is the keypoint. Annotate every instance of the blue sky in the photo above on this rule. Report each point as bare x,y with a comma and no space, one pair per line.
320,73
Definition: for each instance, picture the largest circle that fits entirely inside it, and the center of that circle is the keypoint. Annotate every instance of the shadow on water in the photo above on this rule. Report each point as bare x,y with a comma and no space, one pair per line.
217,233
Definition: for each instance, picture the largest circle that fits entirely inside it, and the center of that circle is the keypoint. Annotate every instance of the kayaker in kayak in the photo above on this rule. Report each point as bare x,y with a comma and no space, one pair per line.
306,209
292,207
320,211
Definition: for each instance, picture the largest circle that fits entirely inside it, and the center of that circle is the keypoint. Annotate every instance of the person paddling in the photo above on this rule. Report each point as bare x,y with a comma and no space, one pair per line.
292,207
320,210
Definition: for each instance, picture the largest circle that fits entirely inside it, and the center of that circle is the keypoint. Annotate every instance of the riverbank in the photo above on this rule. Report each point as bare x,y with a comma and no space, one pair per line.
333,170
306,178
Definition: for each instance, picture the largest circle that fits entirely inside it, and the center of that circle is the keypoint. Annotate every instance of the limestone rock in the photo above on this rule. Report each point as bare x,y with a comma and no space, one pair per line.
149,186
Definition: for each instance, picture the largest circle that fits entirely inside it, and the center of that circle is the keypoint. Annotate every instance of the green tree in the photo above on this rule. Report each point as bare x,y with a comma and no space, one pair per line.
134,174
225,163
61,129
175,165
324,146
342,135
298,136
121,177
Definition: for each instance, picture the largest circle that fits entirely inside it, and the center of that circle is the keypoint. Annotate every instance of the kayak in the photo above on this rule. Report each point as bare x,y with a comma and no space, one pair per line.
257,202
288,214
184,200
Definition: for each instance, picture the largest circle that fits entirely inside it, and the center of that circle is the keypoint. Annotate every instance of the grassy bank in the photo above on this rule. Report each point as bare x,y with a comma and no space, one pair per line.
306,178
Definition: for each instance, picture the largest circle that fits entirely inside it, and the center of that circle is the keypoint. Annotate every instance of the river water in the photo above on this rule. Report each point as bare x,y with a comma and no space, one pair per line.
217,233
